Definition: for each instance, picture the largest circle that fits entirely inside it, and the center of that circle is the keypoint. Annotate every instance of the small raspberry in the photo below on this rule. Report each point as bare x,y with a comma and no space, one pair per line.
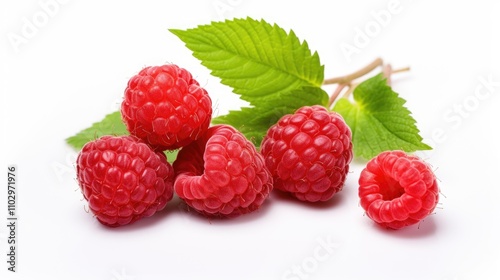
123,179
221,174
397,190
166,107
308,153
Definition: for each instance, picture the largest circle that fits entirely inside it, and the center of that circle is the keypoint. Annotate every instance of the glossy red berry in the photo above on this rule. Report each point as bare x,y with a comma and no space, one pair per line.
166,107
221,174
123,179
308,153
397,189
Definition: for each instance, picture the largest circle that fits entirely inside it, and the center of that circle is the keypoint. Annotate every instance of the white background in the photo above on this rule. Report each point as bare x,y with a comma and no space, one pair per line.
73,67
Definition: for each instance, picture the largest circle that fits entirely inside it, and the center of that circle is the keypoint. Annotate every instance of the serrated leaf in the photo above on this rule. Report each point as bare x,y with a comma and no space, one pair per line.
253,57
254,122
379,120
271,69
112,124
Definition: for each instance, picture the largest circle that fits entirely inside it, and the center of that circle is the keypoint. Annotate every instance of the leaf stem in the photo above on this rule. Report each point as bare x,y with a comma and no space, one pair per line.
399,70
336,93
361,72
387,72
347,81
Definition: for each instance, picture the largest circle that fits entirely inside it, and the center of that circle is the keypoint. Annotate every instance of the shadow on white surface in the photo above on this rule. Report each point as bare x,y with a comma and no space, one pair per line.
425,229
144,223
177,207
283,197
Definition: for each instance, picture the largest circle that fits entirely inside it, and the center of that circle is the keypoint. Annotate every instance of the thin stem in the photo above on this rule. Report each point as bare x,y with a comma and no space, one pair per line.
361,72
405,69
349,90
335,94
352,86
347,80
387,72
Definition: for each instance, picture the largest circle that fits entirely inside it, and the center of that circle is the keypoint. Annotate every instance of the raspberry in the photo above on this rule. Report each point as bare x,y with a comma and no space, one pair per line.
221,174
166,107
123,179
308,153
397,190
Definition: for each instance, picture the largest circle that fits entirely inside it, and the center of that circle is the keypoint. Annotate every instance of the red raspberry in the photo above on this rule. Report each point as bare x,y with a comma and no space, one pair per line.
308,153
397,189
221,174
123,179
166,107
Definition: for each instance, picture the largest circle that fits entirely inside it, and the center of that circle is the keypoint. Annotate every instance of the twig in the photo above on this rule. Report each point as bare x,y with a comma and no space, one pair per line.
387,72
335,94
347,80
361,72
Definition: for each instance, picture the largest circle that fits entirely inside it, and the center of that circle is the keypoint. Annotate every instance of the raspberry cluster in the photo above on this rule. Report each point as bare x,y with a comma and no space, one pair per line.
220,173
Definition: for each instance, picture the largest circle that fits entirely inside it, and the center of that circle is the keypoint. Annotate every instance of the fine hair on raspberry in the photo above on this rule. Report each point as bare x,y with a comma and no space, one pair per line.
222,174
308,153
123,179
166,107
397,190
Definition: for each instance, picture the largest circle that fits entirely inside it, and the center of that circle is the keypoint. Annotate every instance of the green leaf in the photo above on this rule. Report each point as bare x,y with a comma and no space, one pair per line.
271,69
112,124
379,121
253,57
171,155
254,122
